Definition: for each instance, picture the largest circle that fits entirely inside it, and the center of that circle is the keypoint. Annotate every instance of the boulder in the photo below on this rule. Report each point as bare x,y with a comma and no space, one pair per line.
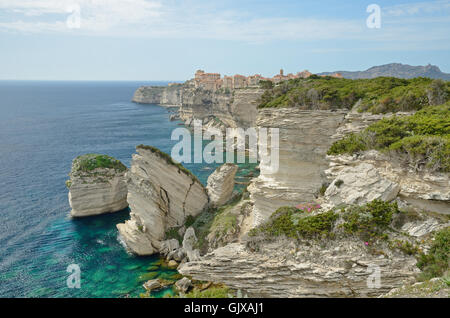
221,184
152,284
183,284
189,242
360,184
97,185
168,246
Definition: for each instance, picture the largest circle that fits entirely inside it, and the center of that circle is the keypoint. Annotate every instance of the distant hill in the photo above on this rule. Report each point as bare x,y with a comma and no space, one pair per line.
396,70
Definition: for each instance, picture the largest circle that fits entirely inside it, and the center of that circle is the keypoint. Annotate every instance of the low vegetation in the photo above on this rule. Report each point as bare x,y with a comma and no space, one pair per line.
368,222
295,223
421,140
89,162
378,95
436,262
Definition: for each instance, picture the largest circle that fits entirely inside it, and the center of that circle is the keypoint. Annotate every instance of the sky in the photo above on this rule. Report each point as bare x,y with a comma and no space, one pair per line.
169,40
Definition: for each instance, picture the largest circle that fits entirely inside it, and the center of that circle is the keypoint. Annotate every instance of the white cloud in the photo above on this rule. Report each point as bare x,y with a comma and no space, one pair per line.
417,8
200,20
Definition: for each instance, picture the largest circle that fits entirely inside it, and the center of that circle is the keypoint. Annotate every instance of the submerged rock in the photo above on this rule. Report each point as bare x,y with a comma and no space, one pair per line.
161,194
97,185
221,184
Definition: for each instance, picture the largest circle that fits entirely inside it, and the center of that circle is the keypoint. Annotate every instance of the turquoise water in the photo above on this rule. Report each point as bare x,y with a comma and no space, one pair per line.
43,126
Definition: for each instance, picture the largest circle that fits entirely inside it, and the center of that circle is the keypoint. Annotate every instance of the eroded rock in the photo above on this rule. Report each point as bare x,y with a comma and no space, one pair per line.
161,194
97,185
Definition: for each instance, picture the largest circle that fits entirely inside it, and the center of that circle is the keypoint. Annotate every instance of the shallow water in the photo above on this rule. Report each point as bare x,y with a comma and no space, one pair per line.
43,126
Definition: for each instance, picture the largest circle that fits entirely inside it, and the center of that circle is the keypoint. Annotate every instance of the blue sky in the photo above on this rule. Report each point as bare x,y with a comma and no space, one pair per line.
169,40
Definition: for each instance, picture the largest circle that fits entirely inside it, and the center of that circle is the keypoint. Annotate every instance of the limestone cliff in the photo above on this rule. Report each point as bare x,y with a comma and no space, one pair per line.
221,108
160,95
97,185
305,137
161,194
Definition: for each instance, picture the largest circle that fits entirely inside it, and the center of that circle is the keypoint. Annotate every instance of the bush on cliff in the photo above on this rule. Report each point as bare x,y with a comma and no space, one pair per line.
422,139
436,262
294,223
89,162
368,222
378,95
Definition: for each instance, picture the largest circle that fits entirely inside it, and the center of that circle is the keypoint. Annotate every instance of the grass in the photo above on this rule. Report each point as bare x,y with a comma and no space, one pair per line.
421,140
378,95
219,220
169,160
89,162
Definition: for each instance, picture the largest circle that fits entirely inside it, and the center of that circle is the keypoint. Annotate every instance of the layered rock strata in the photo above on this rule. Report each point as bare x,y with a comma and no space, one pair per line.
161,194
304,139
372,175
96,189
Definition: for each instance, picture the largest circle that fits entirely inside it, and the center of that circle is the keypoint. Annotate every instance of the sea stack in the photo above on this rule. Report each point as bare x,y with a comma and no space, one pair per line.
162,194
97,185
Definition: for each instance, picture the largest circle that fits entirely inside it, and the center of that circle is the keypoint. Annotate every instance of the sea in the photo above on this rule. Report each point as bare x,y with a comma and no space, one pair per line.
44,125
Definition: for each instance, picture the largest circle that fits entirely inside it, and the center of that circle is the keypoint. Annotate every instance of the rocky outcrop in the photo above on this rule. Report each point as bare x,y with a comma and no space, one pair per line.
97,185
221,184
183,285
373,174
189,242
340,268
160,95
304,139
220,109
360,184
161,194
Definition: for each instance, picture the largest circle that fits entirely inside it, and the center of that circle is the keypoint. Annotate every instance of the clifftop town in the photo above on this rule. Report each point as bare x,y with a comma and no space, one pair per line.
214,81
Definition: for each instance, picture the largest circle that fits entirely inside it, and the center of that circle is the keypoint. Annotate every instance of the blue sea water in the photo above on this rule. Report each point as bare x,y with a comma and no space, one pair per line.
43,126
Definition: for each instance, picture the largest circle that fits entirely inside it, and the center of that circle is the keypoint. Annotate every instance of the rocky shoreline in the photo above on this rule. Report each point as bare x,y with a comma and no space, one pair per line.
212,235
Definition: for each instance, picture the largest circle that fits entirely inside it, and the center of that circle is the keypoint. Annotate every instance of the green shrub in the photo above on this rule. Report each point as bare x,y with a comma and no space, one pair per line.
293,223
370,221
378,95
89,162
424,138
436,262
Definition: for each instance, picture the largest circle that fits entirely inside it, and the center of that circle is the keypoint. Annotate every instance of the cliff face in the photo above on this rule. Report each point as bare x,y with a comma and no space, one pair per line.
305,137
161,195
160,95
96,191
237,108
